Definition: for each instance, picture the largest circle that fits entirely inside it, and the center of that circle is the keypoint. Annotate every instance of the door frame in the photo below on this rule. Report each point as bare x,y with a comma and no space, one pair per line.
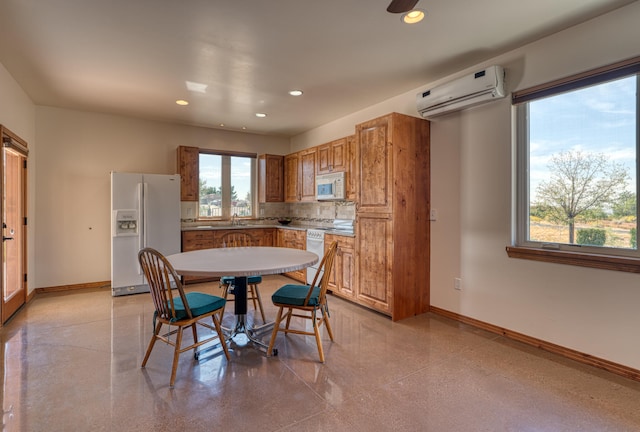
10,139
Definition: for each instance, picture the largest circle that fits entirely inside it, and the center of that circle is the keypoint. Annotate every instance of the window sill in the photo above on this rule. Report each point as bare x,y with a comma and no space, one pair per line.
605,262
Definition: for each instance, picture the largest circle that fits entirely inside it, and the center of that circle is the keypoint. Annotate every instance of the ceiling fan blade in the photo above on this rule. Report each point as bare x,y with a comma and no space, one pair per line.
401,6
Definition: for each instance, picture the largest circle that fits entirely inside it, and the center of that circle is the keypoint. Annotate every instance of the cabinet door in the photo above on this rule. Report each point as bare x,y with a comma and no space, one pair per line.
291,176
374,166
332,156
339,155
375,261
189,170
196,240
270,178
294,239
351,176
342,276
307,175
324,159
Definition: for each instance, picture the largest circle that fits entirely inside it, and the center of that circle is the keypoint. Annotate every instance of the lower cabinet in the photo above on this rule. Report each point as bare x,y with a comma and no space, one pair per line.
342,277
295,239
212,238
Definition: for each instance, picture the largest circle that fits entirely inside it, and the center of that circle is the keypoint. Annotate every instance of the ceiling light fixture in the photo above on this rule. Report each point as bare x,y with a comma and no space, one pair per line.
261,115
182,102
413,16
295,92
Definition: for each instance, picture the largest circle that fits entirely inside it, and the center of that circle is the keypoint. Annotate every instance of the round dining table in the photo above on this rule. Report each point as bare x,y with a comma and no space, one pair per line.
242,262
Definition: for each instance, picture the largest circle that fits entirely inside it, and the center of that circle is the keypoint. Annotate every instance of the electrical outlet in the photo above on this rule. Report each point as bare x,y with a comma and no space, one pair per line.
457,283
433,215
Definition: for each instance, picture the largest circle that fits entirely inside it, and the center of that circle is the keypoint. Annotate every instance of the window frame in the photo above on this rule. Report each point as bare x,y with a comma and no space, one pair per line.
617,259
226,213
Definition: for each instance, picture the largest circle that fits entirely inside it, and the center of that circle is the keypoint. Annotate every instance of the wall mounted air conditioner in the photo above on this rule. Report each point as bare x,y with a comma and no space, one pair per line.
479,87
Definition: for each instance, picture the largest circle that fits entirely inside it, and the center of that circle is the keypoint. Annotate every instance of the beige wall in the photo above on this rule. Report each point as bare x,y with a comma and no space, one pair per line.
592,311
78,150
18,114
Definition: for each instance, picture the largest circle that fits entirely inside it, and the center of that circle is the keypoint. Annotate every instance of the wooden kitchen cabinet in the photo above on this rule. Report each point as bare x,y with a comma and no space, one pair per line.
291,176
392,223
295,239
259,236
270,178
212,238
189,170
300,176
333,156
351,186
342,277
196,240
308,175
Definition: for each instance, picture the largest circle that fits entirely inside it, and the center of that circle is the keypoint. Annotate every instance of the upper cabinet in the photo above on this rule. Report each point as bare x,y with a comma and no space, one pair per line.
300,176
270,178
301,168
333,156
308,174
188,168
291,184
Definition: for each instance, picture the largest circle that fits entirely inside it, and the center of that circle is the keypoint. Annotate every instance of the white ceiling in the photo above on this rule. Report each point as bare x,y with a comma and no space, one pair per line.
134,57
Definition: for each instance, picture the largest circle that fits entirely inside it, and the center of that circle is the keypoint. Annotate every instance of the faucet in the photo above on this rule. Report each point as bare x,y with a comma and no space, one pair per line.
234,219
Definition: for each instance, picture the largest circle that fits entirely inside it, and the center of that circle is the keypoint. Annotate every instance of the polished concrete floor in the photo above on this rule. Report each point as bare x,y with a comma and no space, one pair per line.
72,363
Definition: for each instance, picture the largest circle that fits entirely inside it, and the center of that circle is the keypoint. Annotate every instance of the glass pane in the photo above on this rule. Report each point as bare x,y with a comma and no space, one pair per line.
210,185
241,186
582,166
12,224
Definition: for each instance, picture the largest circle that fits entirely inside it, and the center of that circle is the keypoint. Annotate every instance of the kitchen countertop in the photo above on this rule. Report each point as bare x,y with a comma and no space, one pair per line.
253,226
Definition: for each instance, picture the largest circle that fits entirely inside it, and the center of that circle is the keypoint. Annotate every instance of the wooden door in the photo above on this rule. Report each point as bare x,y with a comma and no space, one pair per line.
14,228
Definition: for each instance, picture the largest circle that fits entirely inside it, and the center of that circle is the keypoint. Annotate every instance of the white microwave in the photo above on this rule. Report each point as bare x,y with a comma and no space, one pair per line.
330,187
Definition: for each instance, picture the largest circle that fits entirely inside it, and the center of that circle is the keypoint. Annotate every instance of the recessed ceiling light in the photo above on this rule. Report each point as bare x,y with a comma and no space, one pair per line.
182,102
413,16
261,115
295,92
221,124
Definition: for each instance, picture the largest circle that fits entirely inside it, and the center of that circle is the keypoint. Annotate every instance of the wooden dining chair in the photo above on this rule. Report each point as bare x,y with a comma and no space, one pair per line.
305,301
184,310
242,239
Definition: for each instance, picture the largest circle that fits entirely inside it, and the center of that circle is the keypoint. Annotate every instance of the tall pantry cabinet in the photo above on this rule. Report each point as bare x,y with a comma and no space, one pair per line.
392,223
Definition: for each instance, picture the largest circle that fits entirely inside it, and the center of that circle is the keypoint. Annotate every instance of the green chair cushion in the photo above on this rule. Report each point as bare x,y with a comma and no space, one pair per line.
294,295
229,280
200,304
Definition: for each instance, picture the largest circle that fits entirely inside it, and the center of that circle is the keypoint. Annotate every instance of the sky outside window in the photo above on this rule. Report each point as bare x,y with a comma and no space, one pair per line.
598,119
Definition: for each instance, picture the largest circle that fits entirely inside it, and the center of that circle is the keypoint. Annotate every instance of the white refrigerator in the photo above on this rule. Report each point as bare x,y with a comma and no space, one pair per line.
145,212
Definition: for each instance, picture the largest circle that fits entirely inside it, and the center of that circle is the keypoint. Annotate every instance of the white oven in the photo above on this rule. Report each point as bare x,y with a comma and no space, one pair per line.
315,244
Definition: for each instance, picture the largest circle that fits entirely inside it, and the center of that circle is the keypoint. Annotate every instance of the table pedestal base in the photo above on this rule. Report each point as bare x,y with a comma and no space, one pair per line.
254,334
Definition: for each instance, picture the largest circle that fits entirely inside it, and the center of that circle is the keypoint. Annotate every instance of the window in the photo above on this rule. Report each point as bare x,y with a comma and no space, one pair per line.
227,185
577,168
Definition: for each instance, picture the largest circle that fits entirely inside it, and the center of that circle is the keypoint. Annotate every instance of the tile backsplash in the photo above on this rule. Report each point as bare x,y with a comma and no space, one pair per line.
309,212
302,213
